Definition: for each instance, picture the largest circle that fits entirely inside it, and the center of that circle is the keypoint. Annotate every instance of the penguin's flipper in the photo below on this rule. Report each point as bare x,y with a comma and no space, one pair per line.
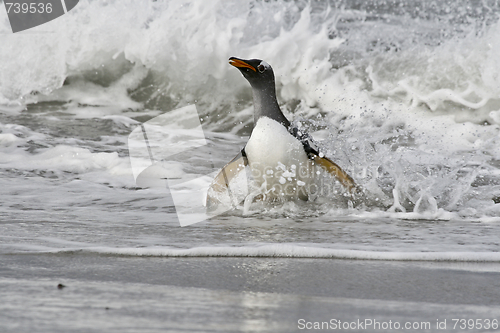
219,188
331,167
336,171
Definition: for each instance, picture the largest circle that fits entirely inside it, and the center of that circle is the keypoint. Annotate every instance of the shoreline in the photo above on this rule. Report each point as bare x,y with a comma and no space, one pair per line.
235,294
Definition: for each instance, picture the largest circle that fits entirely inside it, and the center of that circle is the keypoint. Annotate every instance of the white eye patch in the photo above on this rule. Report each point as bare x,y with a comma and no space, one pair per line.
263,66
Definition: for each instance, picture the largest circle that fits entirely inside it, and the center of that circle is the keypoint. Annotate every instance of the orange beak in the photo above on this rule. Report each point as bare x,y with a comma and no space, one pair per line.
240,64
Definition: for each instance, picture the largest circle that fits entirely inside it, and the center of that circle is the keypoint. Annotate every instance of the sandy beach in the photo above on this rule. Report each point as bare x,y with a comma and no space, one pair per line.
89,293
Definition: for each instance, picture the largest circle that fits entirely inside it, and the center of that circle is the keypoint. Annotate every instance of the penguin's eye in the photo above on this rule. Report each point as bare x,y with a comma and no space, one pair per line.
261,68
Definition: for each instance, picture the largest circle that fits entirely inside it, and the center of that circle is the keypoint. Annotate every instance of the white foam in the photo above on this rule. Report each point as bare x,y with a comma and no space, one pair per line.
67,159
295,251
407,125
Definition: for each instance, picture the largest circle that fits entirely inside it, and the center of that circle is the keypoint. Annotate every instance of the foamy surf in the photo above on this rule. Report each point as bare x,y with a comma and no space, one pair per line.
291,251
404,98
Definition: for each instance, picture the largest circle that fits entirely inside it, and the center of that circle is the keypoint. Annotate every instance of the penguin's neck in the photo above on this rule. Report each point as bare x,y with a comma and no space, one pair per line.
266,105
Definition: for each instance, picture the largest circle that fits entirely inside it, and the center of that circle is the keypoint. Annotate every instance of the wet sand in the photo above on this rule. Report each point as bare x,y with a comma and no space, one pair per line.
92,293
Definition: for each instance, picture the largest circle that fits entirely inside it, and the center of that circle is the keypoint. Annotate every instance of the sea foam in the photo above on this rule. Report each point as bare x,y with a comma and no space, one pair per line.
404,98
294,251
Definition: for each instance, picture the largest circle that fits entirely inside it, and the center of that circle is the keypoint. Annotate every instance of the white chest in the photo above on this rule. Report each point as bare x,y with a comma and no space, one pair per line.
277,159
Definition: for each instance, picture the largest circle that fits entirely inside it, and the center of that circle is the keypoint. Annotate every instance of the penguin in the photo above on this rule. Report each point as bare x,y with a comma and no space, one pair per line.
283,161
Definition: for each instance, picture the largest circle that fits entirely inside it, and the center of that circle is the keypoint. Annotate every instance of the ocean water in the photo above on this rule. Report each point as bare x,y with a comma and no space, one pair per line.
404,95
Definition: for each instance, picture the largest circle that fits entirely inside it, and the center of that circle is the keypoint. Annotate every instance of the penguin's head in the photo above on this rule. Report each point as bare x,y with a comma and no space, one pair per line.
258,72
